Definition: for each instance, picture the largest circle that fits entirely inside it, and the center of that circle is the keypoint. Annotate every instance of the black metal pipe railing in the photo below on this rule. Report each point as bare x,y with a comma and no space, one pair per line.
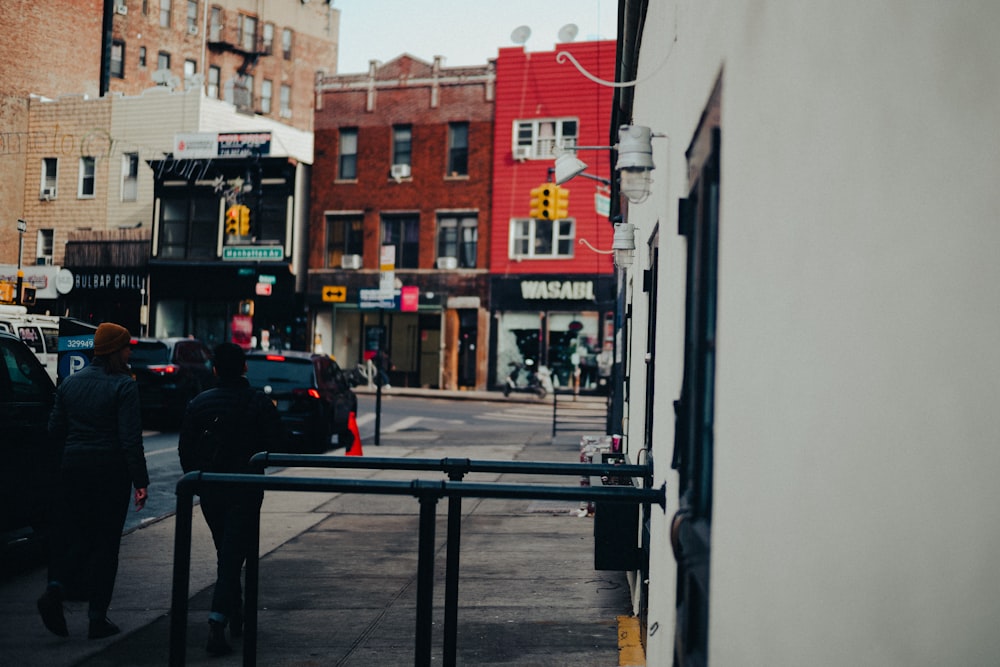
427,492
456,469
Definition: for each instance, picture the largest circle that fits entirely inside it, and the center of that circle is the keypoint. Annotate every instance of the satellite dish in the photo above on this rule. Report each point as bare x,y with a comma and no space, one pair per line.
568,32
520,34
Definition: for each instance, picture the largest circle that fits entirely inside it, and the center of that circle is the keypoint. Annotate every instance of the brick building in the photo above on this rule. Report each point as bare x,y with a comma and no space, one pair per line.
402,175
552,298
261,57
34,33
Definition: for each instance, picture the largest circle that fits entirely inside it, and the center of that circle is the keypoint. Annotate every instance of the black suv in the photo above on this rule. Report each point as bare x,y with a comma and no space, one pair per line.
170,372
30,458
311,393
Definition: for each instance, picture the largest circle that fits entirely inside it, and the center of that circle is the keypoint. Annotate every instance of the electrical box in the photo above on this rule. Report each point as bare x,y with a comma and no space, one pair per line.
616,527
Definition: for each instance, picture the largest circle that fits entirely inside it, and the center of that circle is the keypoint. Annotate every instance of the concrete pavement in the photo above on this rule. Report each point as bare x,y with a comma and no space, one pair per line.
338,578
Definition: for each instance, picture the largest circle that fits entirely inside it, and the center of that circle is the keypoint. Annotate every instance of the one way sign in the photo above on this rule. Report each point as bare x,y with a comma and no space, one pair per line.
335,293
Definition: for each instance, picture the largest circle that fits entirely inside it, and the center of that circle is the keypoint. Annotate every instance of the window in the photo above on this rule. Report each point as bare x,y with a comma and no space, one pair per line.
130,177
44,246
347,164
265,96
286,101
192,17
458,237
165,13
50,169
543,138
142,56
189,224
403,232
215,25
402,144
286,44
163,61
213,82
268,38
458,149
532,238
190,69
242,91
86,178
118,59
248,33
344,236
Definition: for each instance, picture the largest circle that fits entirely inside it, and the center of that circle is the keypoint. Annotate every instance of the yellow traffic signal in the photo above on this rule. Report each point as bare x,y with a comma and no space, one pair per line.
560,204
542,201
238,220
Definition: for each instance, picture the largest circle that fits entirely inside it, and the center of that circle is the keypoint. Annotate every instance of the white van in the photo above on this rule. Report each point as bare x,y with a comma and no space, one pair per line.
39,332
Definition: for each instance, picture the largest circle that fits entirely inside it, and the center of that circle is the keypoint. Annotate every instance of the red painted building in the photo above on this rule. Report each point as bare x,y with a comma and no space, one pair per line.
552,297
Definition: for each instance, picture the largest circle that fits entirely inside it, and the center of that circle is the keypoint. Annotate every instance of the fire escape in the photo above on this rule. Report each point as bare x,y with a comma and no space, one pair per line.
239,35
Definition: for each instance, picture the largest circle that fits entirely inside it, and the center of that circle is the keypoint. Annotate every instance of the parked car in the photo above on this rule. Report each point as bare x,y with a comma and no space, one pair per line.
312,395
39,332
30,458
170,372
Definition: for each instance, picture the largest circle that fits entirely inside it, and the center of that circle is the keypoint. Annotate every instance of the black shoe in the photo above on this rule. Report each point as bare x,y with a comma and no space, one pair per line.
236,624
51,609
102,628
217,644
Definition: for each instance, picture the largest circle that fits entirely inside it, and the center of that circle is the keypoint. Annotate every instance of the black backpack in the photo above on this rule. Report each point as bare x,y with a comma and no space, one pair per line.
218,447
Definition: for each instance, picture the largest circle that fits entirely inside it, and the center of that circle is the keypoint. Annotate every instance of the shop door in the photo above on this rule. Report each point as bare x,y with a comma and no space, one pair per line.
468,333
694,436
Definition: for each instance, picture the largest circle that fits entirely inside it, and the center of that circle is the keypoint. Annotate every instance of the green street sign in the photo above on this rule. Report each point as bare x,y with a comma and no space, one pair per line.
237,253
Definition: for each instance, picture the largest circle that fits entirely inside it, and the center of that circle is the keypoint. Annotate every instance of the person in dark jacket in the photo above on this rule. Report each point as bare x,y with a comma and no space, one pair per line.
96,420
251,424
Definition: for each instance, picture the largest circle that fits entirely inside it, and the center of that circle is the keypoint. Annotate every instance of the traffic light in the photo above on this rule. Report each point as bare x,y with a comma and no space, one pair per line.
238,220
28,295
560,205
542,201
246,307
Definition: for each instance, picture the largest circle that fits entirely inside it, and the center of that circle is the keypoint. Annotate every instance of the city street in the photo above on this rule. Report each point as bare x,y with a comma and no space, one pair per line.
405,419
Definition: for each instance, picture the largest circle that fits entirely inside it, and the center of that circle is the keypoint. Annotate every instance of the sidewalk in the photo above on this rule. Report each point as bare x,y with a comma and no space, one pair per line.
338,579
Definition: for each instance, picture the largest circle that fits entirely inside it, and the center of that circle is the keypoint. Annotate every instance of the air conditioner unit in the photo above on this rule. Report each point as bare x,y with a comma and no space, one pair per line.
121,8
192,30
447,263
350,262
47,194
522,153
285,113
399,171
43,261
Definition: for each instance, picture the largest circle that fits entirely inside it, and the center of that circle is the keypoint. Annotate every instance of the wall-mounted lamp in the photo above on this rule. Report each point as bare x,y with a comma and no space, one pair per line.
635,161
623,245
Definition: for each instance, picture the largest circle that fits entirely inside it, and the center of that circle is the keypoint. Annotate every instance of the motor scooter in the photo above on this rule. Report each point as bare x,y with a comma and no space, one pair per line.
537,382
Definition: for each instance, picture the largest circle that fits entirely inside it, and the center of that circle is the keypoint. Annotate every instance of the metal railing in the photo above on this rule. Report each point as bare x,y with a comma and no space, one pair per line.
579,413
427,492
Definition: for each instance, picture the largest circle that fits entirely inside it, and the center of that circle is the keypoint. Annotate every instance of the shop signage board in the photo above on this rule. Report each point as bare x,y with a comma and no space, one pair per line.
374,299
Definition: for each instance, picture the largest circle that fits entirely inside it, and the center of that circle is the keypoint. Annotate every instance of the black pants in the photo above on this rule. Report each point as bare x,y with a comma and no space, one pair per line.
89,520
231,516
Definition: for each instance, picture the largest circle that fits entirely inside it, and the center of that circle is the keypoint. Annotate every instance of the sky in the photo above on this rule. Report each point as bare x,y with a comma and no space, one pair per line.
465,32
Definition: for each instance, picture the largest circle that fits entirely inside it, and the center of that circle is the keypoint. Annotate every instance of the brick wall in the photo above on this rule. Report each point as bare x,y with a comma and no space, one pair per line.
429,189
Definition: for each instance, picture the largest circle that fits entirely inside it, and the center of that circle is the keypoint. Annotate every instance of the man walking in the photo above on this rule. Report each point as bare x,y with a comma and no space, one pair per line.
223,427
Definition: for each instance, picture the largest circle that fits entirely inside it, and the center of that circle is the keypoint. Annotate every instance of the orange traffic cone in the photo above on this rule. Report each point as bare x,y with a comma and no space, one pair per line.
352,424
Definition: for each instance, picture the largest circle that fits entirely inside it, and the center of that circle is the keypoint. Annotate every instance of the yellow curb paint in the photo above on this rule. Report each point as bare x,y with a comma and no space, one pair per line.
630,653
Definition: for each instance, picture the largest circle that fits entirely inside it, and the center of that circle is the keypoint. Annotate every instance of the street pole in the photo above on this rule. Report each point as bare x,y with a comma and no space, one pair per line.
22,227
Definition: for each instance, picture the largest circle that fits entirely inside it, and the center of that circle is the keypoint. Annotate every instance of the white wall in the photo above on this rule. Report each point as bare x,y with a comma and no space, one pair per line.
856,424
